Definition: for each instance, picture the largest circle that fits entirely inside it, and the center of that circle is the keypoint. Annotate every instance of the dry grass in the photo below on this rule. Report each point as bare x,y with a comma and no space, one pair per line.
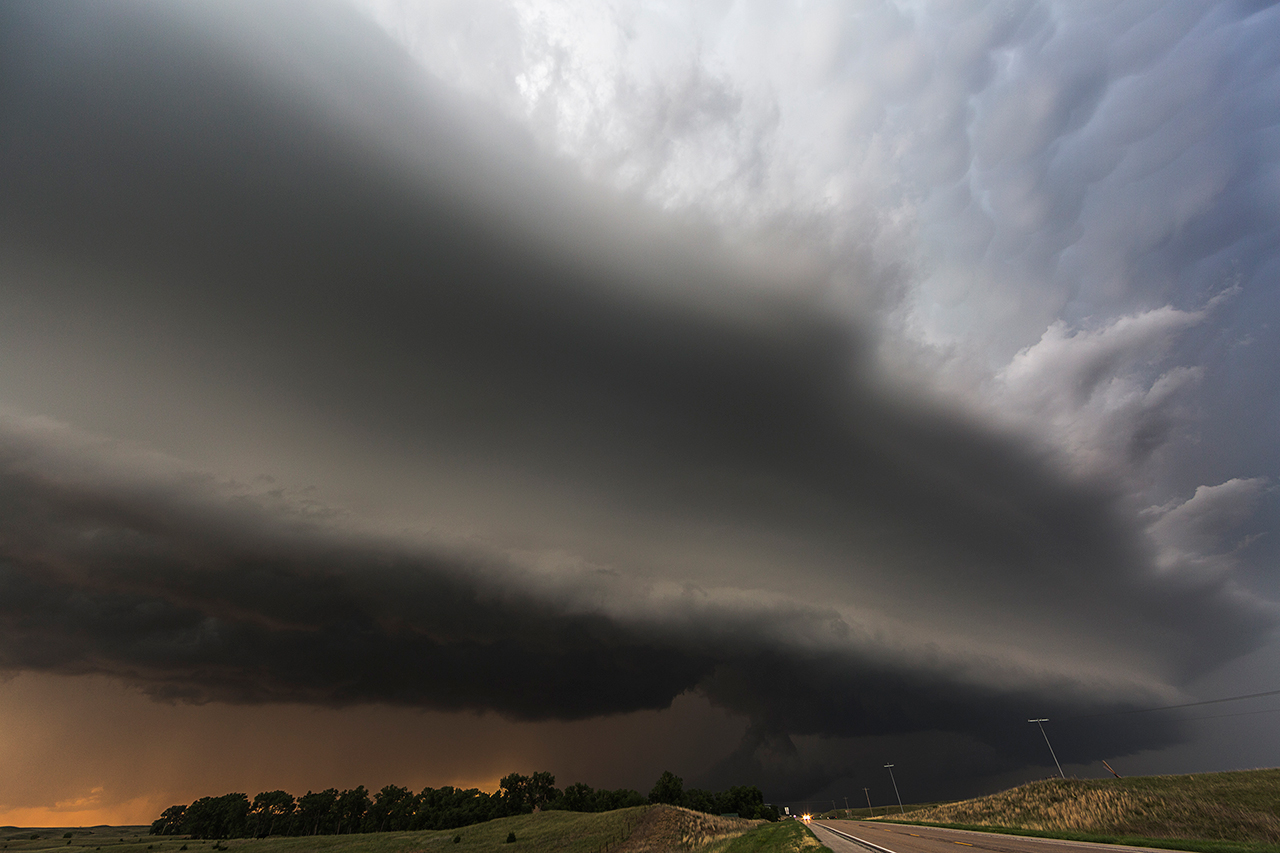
1242,806
665,829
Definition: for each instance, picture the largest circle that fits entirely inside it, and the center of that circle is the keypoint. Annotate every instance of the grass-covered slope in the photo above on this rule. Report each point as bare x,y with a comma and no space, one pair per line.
644,829
1241,806
544,832
664,828
667,829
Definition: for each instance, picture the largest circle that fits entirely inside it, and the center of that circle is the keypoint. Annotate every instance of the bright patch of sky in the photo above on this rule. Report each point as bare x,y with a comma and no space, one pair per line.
1060,214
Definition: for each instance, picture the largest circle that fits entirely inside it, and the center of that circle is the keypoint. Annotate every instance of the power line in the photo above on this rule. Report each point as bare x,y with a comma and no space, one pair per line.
1241,714
1174,707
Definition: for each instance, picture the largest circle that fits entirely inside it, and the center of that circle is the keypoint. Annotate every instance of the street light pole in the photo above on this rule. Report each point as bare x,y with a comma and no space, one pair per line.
901,810
1040,722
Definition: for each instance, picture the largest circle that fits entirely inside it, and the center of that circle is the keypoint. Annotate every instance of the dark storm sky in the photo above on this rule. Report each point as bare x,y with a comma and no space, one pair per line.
331,380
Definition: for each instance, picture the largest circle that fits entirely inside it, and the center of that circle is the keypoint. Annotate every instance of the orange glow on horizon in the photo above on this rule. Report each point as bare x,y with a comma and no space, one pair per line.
489,786
86,812
88,750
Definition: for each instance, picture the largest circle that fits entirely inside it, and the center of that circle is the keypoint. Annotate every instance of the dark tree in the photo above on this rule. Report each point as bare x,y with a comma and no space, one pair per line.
542,790
170,822
744,800
315,814
217,817
622,798
352,806
700,801
392,810
449,807
270,812
514,790
668,789
398,809
578,798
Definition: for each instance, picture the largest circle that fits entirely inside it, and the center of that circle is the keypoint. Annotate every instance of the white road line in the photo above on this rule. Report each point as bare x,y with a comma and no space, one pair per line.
856,840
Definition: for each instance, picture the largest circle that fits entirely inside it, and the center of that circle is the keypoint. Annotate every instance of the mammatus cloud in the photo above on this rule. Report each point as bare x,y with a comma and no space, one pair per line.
593,458
983,176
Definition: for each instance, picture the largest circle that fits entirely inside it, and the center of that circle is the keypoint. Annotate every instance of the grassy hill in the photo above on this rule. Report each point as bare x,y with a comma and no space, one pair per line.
1241,807
644,829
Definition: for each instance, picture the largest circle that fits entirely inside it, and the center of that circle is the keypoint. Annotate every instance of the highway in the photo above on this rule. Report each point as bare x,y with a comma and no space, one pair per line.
854,836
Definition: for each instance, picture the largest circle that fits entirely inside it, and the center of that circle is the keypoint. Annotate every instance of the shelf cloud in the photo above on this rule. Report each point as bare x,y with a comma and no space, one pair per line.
493,387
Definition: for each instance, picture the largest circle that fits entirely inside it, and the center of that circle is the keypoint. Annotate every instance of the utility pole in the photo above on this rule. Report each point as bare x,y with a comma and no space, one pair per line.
1040,722
846,807
870,807
901,810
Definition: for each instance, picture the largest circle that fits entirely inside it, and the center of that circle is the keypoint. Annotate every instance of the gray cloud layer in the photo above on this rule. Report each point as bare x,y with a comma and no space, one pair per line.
173,584
266,203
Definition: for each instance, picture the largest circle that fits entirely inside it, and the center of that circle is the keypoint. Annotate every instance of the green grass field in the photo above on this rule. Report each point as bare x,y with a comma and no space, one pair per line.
661,828
787,836
571,832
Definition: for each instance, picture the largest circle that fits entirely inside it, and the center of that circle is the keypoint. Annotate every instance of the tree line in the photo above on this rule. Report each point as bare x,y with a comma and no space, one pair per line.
396,809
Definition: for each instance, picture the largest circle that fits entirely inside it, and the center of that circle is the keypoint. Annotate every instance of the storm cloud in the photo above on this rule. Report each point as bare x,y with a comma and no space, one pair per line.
117,563
544,449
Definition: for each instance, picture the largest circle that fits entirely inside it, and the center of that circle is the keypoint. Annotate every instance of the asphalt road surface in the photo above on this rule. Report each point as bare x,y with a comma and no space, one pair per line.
843,836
